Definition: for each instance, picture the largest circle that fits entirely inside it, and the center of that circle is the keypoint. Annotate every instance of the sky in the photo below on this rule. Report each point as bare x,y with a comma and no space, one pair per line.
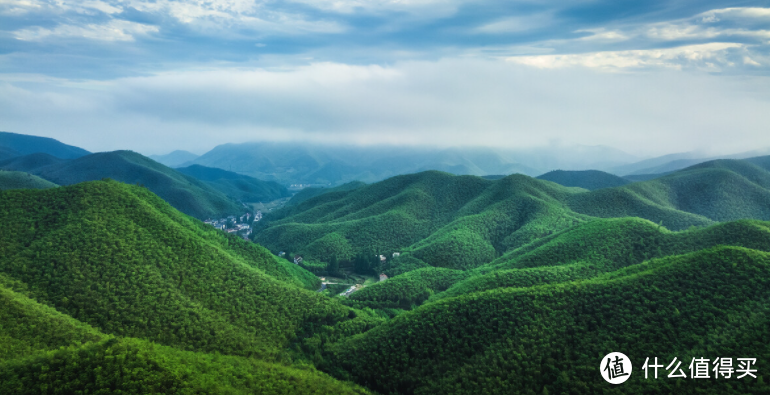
649,78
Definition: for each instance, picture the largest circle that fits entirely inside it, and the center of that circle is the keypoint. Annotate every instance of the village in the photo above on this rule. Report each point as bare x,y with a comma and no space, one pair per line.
239,225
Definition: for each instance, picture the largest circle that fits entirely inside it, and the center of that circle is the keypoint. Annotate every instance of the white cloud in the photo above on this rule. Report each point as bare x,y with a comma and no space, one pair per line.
448,102
428,8
114,30
712,54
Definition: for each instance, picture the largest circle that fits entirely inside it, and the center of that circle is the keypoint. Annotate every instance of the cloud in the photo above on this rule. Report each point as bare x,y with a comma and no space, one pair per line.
710,56
448,102
114,30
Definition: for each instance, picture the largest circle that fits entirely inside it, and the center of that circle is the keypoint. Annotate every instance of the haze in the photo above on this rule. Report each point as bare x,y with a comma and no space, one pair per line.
648,79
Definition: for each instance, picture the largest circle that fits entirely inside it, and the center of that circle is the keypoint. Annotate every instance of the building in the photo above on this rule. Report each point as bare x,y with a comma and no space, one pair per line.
281,254
383,277
297,259
396,254
383,258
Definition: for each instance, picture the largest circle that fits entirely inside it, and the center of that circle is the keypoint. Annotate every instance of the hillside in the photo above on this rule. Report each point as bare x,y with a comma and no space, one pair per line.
237,186
31,163
7,153
587,179
185,193
21,180
175,158
120,259
45,351
550,339
24,144
311,192
462,222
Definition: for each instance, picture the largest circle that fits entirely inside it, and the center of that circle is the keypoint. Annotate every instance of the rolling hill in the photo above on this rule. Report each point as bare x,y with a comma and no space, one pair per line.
187,194
31,163
21,180
462,222
311,192
23,144
551,338
237,186
510,285
105,287
587,179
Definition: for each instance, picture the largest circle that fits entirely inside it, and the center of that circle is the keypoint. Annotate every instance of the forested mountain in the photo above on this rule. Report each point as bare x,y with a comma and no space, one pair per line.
175,158
95,277
186,193
587,179
237,186
21,180
31,163
7,153
311,192
22,144
551,338
462,222
509,285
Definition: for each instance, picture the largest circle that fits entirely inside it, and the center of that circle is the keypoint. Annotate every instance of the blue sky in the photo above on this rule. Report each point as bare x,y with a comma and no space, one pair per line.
647,77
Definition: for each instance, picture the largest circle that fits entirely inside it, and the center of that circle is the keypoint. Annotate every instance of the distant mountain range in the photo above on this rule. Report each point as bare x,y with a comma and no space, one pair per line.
175,158
297,163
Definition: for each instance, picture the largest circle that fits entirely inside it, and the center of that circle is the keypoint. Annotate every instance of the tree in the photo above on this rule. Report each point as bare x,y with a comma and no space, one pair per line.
334,266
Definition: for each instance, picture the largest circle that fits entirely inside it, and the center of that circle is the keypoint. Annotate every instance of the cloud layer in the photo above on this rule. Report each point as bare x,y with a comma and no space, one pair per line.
159,75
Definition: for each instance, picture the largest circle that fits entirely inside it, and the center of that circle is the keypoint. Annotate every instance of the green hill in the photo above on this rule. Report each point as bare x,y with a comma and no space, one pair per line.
185,193
463,222
120,259
551,338
24,144
237,186
45,351
21,180
31,163
587,179
311,192
105,288
720,190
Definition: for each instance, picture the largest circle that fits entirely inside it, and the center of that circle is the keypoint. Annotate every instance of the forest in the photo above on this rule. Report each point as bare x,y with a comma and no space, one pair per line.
511,285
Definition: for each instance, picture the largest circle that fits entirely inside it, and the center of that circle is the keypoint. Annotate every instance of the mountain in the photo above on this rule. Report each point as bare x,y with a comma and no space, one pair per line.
21,180
106,287
23,144
761,161
237,186
552,338
7,153
513,285
587,179
326,165
31,163
175,158
185,193
311,192
461,222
